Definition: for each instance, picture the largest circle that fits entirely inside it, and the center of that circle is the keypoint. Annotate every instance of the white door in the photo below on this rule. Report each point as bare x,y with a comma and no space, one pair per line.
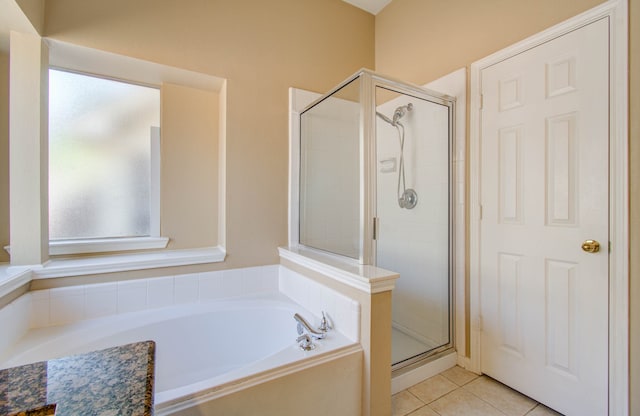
544,191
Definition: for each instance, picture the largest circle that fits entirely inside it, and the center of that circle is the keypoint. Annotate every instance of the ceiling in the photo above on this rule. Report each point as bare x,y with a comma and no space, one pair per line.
372,6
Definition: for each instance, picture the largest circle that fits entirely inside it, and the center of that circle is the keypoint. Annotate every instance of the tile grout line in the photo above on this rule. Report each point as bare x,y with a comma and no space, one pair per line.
467,390
490,404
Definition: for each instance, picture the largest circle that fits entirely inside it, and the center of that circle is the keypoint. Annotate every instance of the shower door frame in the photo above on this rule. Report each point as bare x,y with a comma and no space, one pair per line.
370,109
369,81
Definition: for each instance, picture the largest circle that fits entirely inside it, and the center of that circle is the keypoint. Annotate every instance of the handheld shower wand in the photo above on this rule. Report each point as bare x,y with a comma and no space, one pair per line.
408,198
385,118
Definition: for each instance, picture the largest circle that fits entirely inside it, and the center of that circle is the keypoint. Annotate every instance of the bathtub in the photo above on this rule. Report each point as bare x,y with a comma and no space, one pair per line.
207,351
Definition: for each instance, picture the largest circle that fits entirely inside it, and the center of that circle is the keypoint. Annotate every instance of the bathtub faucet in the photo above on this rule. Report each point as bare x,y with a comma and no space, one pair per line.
305,328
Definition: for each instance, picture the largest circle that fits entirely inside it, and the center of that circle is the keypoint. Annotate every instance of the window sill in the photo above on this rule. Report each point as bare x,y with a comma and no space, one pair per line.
103,245
127,262
12,278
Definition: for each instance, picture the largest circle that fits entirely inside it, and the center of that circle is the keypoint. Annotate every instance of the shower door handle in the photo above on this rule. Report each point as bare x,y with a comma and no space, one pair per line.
376,225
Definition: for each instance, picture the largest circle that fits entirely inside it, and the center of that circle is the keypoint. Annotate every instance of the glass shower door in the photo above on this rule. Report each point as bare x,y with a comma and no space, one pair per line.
413,210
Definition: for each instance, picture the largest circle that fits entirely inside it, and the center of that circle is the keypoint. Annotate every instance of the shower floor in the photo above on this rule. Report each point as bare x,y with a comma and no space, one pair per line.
404,346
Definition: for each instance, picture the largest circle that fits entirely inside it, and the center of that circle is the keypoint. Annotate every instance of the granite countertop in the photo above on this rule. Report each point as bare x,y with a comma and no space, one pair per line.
114,381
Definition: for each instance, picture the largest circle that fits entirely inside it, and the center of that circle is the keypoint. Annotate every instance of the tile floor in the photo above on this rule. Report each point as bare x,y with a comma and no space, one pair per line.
457,392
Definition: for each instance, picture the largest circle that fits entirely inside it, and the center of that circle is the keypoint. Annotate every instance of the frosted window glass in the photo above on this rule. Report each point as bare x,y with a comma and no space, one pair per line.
99,156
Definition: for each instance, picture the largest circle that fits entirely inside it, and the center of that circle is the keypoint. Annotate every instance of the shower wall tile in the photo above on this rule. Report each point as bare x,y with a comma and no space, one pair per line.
238,282
252,280
132,295
66,304
14,321
100,300
39,315
316,294
160,292
232,282
185,289
270,277
210,286
296,286
260,279
70,304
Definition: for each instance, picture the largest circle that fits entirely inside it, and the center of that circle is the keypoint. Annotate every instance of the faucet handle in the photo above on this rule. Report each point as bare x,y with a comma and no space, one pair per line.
305,343
325,323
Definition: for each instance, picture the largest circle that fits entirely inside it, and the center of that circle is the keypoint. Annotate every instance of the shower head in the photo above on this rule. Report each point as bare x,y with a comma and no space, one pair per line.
400,112
397,114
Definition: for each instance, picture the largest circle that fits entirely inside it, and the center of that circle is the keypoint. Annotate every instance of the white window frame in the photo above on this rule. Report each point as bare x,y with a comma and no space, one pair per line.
92,61
111,244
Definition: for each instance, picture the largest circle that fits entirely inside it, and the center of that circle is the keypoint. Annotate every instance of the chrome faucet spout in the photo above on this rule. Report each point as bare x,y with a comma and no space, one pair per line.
304,326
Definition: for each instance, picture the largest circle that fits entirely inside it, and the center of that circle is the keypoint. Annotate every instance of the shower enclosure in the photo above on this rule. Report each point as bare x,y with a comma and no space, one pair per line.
375,187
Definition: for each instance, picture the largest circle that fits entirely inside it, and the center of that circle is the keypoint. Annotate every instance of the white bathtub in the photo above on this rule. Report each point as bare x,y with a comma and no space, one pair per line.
204,351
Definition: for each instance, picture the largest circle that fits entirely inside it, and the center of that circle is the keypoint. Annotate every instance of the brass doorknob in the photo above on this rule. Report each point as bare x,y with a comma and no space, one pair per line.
591,246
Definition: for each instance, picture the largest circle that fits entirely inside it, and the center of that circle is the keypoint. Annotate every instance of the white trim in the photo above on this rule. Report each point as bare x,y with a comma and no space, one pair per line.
616,11
222,167
154,186
110,65
368,279
619,211
103,245
126,262
13,277
474,220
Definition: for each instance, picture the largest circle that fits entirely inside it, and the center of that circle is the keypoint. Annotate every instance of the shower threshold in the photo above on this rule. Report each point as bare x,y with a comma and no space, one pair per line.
407,351
404,346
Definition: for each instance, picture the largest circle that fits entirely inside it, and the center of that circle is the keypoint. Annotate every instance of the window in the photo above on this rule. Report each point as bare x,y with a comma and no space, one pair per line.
103,158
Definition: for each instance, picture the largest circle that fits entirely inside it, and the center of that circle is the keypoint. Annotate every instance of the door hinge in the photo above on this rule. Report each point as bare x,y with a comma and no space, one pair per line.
480,212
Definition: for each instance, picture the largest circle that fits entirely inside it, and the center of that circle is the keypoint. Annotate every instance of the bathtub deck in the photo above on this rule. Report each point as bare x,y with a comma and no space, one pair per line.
116,380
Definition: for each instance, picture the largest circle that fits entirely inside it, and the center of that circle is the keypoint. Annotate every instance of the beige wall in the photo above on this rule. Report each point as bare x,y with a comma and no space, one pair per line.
189,172
421,40
34,10
262,50
4,156
303,392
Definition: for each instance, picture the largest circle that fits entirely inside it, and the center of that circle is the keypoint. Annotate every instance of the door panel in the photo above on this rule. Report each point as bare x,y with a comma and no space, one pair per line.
544,190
